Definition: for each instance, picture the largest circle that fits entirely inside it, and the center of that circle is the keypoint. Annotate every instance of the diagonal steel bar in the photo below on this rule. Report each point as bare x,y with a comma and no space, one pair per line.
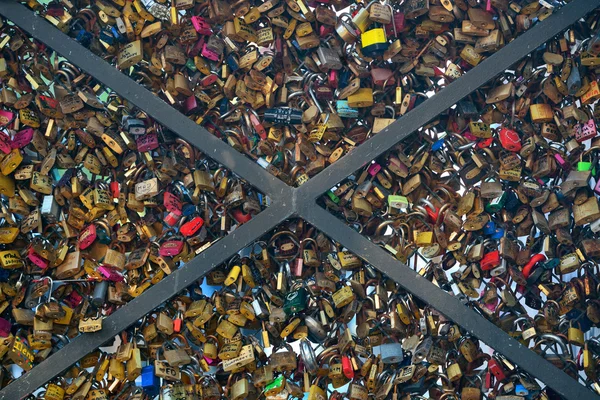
126,87
448,305
147,301
462,87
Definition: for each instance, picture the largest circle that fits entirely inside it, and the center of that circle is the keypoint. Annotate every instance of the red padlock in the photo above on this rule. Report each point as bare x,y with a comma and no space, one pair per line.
87,237
115,189
490,260
510,139
191,227
496,369
347,367
147,142
172,218
529,267
178,322
240,216
485,143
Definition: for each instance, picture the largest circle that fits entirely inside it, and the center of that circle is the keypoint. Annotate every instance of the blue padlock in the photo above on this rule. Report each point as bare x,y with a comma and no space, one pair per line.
188,209
498,234
437,145
84,37
149,381
520,390
489,228
107,37
264,200
232,62
117,35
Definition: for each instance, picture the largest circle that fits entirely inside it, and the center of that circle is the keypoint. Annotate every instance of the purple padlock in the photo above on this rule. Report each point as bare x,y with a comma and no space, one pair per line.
5,146
5,327
190,105
22,138
147,142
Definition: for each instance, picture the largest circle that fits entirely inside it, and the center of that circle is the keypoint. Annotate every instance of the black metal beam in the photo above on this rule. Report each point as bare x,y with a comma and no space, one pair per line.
440,102
127,88
146,302
447,304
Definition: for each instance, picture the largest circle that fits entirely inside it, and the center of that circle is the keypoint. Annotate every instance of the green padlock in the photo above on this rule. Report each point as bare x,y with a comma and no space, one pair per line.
295,301
276,386
496,203
397,201
333,197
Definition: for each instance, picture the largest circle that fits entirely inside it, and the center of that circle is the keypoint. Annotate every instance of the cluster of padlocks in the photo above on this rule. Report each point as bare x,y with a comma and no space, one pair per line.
497,200
291,315
294,84
99,202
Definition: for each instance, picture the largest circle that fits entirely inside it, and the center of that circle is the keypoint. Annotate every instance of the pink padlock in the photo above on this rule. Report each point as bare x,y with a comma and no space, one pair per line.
325,30
374,169
470,136
585,131
172,203
147,142
209,361
332,78
201,25
110,274
22,138
6,117
37,259
208,53
561,161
